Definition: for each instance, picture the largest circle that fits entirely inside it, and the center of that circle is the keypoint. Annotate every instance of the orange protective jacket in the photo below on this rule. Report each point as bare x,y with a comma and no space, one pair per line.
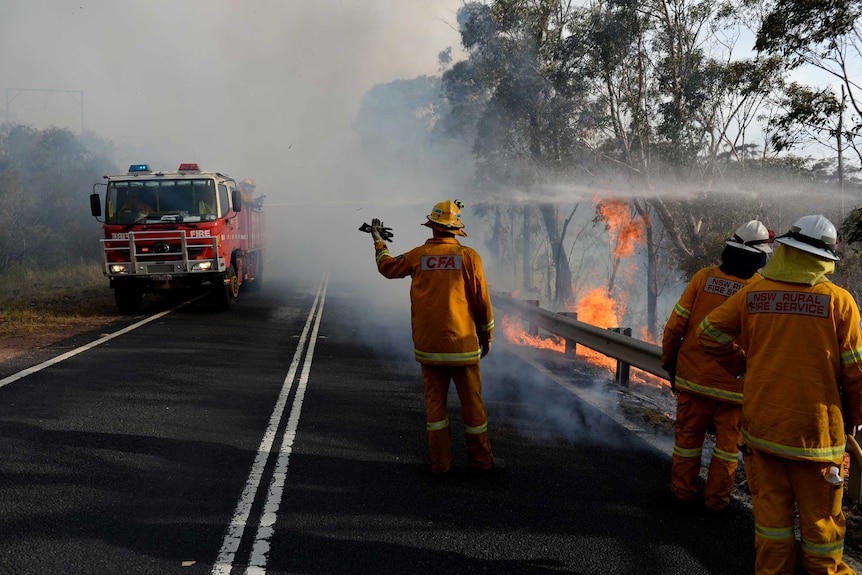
451,312
803,352
697,371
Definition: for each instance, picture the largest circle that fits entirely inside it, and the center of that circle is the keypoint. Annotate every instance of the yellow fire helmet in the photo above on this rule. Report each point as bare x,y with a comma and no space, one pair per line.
446,216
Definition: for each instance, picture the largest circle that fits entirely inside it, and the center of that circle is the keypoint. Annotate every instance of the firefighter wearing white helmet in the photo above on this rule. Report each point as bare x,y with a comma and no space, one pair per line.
796,337
707,395
752,236
453,326
813,234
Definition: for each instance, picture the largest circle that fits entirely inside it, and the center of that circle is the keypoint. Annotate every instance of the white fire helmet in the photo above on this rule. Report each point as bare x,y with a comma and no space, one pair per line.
752,236
813,234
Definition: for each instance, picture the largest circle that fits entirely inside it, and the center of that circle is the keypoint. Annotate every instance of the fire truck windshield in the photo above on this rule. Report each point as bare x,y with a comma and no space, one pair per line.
162,200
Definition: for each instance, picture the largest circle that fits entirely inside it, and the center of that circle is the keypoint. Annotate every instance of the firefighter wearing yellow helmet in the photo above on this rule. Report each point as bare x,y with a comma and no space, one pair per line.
446,216
247,186
796,336
707,395
453,326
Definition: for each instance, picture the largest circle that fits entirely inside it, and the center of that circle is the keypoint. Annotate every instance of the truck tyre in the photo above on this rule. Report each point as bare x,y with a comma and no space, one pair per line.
257,283
128,299
227,293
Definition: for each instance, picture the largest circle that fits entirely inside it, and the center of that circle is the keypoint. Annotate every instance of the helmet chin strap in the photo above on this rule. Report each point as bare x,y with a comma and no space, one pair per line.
820,244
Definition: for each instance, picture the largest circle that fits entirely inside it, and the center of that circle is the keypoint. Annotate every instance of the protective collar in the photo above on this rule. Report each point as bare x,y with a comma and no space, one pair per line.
795,266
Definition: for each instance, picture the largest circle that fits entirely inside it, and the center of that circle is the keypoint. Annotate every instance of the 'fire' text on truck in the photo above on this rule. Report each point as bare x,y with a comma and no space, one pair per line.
187,230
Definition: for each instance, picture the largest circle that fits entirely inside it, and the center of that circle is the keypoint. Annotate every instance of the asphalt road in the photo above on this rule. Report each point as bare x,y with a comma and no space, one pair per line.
287,436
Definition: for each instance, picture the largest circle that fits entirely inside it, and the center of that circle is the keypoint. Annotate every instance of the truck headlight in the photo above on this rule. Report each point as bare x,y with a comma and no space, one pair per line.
118,268
202,266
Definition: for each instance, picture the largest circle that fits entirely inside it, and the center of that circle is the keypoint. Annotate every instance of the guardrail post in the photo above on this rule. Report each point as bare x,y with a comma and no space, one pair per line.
534,329
571,345
623,376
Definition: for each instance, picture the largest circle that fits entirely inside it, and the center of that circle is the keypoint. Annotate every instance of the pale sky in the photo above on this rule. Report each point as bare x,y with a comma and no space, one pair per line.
260,88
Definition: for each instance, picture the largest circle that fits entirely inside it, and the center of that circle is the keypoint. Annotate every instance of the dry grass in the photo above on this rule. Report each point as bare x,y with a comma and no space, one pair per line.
36,303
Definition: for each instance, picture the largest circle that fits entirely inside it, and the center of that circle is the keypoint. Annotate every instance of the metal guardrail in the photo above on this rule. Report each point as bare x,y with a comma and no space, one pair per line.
637,353
640,354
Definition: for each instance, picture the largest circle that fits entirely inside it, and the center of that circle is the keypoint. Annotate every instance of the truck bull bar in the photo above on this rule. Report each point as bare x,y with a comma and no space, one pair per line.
162,260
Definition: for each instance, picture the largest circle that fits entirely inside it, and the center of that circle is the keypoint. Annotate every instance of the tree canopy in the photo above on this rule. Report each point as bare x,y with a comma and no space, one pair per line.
567,105
45,179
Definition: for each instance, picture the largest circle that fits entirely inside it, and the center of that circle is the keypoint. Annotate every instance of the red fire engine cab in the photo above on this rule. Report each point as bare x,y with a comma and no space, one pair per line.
187,230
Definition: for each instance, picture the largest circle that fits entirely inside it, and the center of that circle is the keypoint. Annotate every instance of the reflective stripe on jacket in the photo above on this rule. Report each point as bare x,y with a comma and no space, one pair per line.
697,371
450,305
803,346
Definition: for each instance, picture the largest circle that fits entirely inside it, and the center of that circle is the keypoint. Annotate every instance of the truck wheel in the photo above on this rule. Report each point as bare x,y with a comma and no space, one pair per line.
226,294
128,299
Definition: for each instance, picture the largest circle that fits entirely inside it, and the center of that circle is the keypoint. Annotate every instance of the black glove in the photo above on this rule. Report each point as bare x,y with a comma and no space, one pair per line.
378,232
670,368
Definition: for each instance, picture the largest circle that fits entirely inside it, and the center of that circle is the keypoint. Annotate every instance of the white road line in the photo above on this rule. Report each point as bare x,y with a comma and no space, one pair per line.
92,344
227,553
266,526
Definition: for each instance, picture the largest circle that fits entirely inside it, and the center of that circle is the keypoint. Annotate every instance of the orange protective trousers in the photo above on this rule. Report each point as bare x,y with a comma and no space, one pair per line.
776,484
695,414
468,384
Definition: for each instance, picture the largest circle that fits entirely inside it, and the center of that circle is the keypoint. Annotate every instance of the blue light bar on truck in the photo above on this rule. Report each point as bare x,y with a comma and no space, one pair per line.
139,169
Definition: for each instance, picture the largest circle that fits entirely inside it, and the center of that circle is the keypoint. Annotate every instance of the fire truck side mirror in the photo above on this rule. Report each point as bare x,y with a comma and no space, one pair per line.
236,199
95,205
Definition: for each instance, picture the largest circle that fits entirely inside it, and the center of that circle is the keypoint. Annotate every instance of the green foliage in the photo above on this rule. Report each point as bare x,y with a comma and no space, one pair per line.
805,111
45,179
793,27
709,218
824,34
851,228
517,94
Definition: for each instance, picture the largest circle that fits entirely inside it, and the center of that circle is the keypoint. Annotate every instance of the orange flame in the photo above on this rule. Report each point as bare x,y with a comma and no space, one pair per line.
625,231
598,309
515,333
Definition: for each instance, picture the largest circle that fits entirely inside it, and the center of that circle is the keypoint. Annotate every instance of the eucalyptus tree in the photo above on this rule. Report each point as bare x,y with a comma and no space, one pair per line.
519,96
825,35
45,178
643,92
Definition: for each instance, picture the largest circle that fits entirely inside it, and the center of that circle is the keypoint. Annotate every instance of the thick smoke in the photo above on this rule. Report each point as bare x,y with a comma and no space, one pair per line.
271,90
267,90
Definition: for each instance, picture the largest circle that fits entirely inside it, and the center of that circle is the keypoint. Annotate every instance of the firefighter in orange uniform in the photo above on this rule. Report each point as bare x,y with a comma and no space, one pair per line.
453,326
708,395
796,336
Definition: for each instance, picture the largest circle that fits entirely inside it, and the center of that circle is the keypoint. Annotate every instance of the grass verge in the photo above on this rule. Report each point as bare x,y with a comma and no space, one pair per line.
34,302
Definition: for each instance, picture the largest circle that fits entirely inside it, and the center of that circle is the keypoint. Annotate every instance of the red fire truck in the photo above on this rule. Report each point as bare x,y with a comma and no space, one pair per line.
187,230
